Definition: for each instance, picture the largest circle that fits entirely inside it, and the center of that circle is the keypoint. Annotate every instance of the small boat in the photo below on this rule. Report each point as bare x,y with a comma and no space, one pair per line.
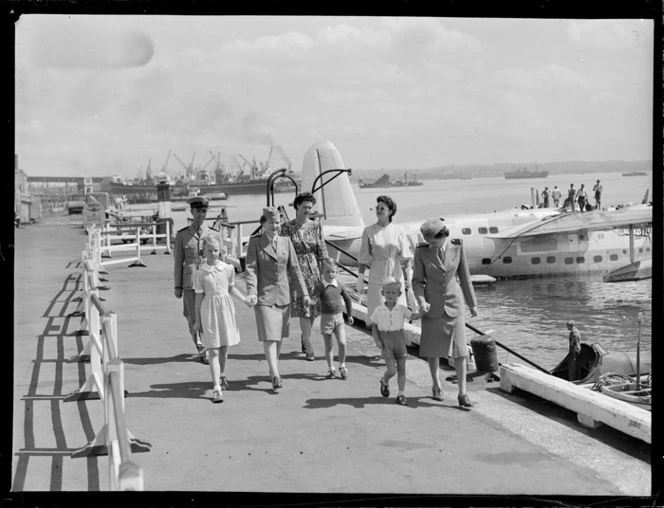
639,270
595,361
635,173
629,391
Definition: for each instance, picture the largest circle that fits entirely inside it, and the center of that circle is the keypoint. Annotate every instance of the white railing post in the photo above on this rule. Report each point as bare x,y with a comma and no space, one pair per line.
138,261
154,239
168,237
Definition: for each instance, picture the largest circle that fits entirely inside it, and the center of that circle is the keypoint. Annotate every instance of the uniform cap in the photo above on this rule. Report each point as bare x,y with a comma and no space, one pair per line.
198,202
431,228
271,213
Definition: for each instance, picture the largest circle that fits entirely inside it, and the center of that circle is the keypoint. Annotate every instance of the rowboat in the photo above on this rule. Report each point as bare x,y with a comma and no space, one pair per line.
637,394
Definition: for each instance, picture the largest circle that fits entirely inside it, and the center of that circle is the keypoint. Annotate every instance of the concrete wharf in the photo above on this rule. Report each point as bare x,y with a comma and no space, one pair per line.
316,435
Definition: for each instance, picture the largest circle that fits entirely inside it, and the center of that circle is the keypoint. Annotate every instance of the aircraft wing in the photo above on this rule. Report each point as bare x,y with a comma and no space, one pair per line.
640,215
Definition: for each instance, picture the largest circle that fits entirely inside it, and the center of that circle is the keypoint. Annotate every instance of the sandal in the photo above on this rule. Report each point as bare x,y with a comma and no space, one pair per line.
223,382
310,357
217,396
401,400
437,394
276,382
331,374
344,372
384,389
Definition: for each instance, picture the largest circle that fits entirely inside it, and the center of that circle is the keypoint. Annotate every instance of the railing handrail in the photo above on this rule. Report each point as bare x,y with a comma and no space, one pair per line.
96,301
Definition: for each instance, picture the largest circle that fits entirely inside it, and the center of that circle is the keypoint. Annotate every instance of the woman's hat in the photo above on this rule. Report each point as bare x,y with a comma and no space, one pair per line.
431,228
271,213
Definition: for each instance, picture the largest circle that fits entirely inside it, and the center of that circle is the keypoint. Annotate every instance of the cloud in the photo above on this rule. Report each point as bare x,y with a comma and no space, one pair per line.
291,45
544,76
69,45
614,35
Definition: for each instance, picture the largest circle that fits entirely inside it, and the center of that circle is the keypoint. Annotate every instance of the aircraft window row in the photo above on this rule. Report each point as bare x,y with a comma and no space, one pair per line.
481,231
552,259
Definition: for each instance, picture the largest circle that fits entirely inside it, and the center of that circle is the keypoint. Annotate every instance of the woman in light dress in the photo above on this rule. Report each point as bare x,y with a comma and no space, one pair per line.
386,251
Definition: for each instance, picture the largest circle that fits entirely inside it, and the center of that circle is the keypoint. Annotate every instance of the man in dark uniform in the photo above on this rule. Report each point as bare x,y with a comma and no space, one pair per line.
574,351
188,250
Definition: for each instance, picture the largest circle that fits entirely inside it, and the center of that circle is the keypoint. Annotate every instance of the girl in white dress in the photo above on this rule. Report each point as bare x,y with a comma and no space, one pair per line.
215,313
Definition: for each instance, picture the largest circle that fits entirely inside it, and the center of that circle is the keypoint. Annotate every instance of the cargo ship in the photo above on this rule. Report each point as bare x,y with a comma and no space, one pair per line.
525,173
384,181
635,173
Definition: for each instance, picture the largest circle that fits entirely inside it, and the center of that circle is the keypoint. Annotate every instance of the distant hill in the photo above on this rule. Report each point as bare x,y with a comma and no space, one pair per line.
493,170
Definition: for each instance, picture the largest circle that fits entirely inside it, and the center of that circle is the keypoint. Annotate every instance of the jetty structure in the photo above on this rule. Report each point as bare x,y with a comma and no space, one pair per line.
123,316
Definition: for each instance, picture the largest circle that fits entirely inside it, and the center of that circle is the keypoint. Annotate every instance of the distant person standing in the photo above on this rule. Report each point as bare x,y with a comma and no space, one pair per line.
574,351
556,195
571,197
598,195
582,197
545,197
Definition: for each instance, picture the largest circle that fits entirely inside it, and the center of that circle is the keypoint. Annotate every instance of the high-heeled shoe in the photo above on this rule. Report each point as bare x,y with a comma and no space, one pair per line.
464,401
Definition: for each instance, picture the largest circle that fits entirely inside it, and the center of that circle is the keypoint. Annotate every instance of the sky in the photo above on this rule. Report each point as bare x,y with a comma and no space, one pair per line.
106,95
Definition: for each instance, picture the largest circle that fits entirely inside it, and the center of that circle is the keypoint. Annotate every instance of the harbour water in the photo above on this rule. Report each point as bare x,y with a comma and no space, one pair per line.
528,316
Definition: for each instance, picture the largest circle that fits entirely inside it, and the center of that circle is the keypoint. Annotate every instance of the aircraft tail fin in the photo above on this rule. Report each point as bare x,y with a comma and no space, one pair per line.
336,200
645,197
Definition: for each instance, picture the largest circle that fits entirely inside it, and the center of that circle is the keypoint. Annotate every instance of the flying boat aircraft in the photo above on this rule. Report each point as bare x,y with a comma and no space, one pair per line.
514,243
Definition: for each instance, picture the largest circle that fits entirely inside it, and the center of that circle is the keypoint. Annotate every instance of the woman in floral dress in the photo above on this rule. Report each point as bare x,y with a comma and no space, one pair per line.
307,238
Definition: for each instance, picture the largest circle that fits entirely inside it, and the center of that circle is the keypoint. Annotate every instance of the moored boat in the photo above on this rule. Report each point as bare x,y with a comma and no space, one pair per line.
594,362
637,394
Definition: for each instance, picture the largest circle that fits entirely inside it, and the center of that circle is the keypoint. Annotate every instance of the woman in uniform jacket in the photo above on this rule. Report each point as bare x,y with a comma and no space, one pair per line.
441,281
270,258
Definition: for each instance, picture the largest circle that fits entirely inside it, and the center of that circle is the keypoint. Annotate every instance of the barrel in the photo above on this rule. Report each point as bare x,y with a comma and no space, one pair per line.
484,350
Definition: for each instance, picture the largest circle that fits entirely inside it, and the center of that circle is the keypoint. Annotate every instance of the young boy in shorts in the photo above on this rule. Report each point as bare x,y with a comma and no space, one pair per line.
330,292
387,323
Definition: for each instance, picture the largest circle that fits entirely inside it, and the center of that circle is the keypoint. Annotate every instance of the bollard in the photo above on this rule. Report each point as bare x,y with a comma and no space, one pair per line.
484,350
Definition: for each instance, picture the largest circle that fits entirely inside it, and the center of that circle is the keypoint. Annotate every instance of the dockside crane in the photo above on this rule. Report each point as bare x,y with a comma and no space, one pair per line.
252,167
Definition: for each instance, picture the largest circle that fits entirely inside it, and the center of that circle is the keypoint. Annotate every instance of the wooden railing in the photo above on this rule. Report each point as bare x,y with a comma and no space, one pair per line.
106,378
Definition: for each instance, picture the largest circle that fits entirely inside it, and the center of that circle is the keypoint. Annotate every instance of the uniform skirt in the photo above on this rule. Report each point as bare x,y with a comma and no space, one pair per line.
272,321
443,337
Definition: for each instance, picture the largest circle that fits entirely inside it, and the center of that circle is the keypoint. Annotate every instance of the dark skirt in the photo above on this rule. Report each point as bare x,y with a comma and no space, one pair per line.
272,322
443,337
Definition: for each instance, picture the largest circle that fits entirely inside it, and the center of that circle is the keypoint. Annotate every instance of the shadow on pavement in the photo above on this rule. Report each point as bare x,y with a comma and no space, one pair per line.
154,361
361,402
58,318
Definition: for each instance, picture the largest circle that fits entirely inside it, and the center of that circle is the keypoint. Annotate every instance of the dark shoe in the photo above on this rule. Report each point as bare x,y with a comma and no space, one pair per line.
384,389
464,401
331,374
344,372
401,400
310,357
437,394
223,382
276,382
217,396
204,358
